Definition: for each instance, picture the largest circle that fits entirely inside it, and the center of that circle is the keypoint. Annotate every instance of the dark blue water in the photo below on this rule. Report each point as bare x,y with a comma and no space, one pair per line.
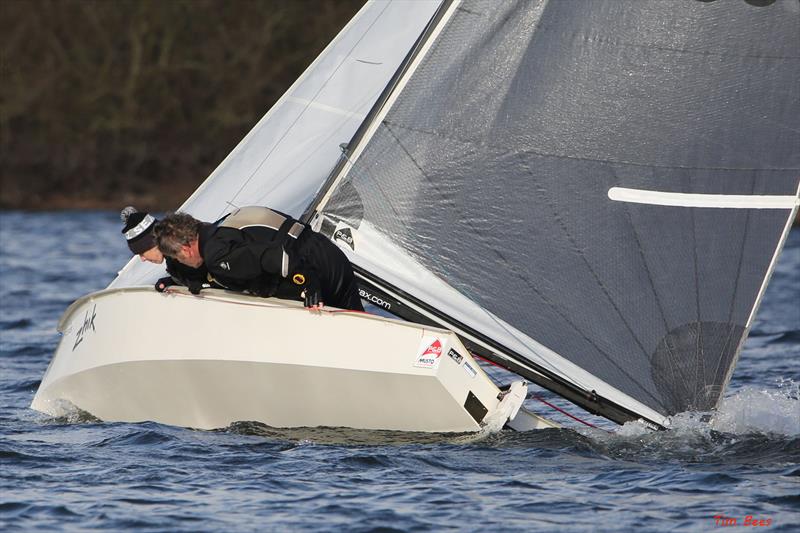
79,473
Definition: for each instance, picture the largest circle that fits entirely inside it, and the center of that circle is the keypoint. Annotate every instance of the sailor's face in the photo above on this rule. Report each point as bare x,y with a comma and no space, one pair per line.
153,255
189,255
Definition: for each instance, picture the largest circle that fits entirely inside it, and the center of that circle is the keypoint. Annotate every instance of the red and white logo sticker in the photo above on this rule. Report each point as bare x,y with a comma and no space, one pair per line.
430,353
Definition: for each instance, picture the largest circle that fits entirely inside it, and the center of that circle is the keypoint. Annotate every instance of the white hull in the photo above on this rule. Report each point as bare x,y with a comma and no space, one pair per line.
207,361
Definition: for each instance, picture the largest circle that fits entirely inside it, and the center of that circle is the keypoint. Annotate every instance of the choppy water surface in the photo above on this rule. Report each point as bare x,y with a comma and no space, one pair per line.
79,473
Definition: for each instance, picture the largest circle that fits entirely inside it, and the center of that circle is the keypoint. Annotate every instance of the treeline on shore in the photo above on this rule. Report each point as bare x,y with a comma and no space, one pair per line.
105,103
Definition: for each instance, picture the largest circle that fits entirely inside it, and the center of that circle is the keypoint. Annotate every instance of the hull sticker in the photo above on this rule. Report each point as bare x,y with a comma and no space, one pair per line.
469,370
343,234
88,322
430,352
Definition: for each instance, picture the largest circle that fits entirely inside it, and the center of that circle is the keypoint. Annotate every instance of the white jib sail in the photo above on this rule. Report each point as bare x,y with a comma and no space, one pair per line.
287,156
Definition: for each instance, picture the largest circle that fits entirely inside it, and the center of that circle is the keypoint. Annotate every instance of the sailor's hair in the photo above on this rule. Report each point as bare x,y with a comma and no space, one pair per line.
175,230
126,213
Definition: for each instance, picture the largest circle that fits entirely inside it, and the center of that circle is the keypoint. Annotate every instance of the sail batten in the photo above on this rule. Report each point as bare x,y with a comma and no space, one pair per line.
731,201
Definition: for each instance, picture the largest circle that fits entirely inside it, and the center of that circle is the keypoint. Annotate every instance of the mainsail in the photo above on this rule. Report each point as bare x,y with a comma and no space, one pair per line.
593,193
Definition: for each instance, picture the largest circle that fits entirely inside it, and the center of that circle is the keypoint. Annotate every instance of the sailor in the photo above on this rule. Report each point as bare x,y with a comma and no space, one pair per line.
138,231
263,252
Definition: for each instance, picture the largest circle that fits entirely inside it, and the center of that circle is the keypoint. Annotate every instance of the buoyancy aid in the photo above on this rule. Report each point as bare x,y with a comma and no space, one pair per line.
286,229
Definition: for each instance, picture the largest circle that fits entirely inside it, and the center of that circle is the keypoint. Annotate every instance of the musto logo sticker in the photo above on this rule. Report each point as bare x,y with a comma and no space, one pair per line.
429,353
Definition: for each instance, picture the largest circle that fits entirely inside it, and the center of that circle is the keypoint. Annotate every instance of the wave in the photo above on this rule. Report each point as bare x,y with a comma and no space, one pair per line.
787,337
750,410
754,410
751,426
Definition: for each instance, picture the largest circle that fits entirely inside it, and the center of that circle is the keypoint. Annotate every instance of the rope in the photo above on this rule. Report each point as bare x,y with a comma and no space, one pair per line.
535,397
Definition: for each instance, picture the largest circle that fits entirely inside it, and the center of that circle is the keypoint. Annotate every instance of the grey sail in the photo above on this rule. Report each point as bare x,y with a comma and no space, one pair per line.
599,187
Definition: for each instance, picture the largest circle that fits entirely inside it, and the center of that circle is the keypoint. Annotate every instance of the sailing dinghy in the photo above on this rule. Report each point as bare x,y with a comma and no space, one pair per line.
346,368
592,195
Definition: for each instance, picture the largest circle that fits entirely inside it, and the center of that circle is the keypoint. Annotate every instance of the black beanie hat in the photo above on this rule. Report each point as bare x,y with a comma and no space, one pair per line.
138,229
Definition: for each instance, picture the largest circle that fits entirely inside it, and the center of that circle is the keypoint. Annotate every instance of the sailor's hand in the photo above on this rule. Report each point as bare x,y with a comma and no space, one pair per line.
164,283
196,286
312,295
311,300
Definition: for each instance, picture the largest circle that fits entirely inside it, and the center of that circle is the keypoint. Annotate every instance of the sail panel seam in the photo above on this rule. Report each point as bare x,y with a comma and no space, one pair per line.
611,42
501,149
653,287
325,107
731,329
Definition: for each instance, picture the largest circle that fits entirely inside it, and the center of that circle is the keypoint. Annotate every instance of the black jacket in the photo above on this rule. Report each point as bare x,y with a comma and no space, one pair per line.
256,260
185,275
245,260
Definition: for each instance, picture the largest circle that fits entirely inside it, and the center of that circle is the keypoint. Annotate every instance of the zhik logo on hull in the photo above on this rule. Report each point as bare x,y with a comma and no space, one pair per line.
88,321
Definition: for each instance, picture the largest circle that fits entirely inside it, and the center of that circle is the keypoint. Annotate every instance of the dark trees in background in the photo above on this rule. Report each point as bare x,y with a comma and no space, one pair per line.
108,102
